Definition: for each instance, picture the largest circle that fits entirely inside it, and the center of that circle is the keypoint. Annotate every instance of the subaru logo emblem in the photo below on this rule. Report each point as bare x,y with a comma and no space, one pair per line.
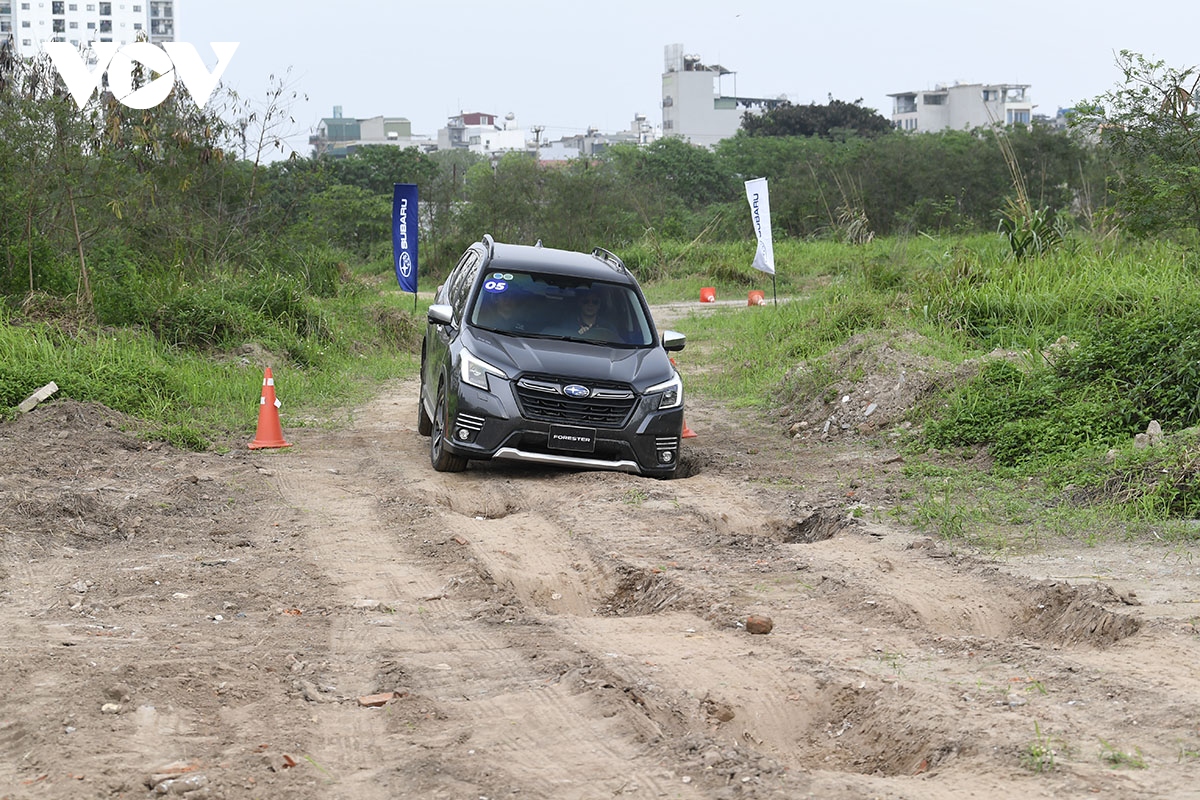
577,391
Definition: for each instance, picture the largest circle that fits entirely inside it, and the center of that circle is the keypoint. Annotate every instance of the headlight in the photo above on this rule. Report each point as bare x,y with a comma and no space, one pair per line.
670,393
475,370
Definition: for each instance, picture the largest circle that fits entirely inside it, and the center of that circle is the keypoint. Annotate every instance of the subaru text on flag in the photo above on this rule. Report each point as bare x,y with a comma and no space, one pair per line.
548,356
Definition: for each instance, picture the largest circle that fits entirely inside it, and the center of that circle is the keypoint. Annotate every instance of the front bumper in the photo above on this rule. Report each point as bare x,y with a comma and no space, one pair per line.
490,424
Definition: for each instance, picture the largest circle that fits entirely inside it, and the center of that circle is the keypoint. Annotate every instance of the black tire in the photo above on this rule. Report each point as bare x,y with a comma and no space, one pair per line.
441,458
424,423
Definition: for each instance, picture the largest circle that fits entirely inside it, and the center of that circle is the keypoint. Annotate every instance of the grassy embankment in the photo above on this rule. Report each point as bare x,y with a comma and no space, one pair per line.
1045,419
1073,355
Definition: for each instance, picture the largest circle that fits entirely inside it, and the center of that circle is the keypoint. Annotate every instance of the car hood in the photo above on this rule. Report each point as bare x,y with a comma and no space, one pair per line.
641,367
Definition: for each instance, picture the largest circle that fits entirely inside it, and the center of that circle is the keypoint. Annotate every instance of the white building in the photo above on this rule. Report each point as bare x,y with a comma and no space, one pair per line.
31,22
695,107
480,133
592,143
962,106
339,136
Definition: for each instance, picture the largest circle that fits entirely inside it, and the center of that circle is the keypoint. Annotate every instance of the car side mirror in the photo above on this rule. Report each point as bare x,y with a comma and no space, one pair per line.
441,314
673,340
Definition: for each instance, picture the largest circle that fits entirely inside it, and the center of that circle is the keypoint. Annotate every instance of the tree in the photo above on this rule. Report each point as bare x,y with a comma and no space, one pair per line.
442,200
505,200
350,217
377,167
674,168
797,169
46,170
835,120
106,200
672,186
591,207
1150,131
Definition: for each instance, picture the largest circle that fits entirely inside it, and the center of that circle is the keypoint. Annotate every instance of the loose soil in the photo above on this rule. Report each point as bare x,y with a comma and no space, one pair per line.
337,620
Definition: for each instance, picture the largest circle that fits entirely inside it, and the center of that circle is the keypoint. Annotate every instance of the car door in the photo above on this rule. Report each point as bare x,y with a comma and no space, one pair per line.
436,353
439,337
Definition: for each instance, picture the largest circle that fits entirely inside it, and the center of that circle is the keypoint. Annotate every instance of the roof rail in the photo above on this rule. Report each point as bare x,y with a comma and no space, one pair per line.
490,244
611,259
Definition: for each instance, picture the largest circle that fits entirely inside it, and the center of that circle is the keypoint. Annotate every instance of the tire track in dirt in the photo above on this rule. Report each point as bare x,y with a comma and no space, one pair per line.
730,682
870,586
334,514
556,633
486,698
755,677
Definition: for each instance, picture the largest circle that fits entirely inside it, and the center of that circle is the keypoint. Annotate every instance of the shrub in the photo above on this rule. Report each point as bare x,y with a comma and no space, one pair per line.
1126,373
51,273
1001,394
1150,363
202,318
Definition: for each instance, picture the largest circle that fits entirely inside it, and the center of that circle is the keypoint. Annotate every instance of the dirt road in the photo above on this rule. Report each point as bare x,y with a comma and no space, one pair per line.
337,620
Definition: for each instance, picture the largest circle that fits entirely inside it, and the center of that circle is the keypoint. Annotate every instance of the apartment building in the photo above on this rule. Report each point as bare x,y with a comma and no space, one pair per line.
695,106
31,22
962,106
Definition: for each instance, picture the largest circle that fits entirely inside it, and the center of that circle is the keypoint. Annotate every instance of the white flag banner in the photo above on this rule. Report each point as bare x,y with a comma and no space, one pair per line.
760,213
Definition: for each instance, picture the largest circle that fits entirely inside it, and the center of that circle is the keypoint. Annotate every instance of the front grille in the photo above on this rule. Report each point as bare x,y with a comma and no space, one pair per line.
543,399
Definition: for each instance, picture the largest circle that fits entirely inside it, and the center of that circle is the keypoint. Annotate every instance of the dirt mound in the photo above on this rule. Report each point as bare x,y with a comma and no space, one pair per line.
868,384
1065,614
82,477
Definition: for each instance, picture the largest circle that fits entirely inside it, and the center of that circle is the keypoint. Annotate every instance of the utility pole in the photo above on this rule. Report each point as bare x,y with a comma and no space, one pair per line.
537,139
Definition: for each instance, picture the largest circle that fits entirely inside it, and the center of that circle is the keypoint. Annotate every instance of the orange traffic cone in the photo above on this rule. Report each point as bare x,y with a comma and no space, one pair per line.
269,433
688,433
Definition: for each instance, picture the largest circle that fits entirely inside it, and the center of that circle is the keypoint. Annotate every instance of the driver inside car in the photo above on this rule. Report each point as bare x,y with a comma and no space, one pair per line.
588,314
501,311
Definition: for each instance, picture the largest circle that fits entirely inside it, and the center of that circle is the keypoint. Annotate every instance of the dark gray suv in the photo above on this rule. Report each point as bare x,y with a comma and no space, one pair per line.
548,356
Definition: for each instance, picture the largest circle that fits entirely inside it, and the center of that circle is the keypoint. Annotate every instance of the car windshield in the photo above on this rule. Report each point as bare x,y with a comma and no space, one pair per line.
559,306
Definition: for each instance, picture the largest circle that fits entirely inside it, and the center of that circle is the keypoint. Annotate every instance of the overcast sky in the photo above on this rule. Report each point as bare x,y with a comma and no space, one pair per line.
568,66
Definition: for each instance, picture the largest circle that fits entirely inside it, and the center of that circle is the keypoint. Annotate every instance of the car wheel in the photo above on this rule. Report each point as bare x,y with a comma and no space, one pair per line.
441,458
424,423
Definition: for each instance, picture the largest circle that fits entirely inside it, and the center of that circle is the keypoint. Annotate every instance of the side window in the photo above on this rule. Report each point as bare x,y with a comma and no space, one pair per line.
460,281
443,291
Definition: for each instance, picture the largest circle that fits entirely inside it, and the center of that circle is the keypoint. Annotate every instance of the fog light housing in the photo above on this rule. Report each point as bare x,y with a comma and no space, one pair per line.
666,456
464,434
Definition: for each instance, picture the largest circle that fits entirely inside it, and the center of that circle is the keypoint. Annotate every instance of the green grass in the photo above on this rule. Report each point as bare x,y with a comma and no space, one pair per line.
1071,354
1041,753
197,398
1079,350
1117,758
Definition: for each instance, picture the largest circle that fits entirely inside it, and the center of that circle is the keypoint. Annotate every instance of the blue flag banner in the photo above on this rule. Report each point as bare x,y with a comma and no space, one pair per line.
404,235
